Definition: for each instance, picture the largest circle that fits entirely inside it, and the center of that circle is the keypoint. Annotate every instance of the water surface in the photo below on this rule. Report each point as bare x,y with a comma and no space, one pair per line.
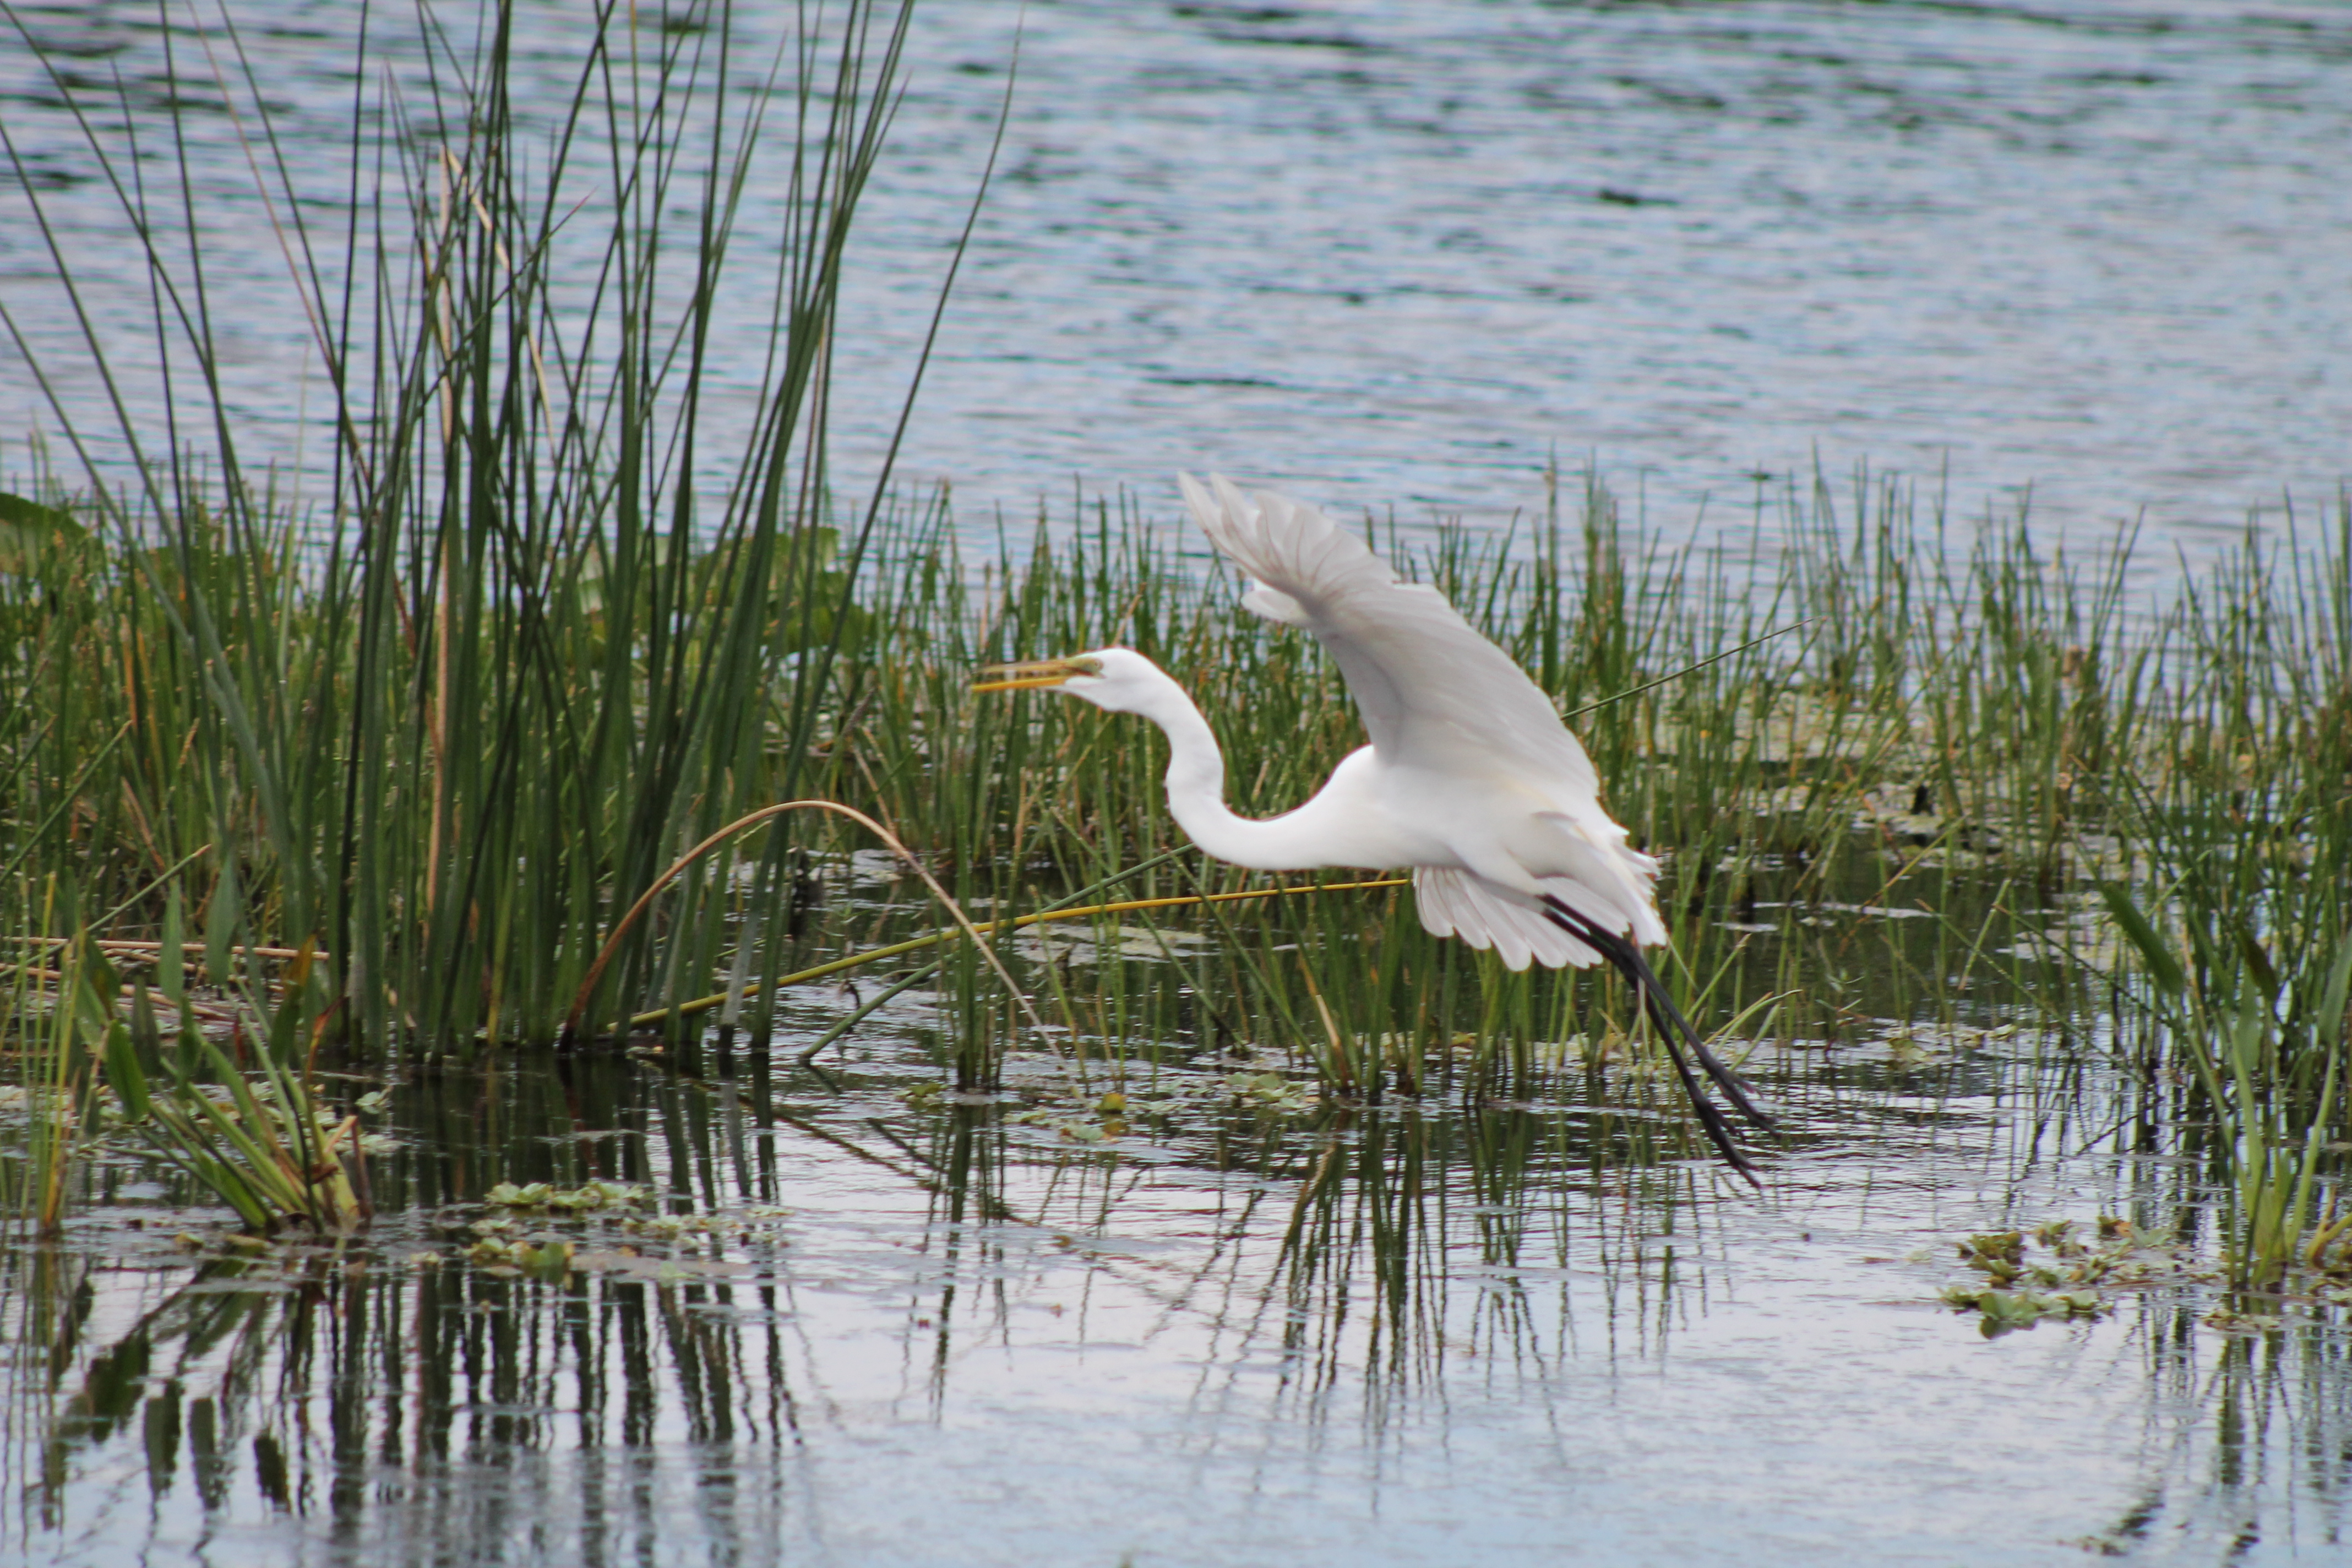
871,1327
1399,255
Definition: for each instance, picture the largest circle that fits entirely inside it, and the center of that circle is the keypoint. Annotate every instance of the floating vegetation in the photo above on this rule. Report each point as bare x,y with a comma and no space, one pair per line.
1270,1091
609,1227
2076,1279
541,1195
2004,1309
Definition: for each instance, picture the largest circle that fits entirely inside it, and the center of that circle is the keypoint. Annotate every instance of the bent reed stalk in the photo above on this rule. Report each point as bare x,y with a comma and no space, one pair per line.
1019,922
744,824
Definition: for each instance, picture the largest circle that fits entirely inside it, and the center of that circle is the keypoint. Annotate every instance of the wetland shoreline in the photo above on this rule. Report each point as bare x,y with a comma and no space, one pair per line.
1252,1229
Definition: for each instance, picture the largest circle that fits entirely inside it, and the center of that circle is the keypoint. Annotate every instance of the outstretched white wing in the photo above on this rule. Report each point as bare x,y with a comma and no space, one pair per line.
1438,697
1434,694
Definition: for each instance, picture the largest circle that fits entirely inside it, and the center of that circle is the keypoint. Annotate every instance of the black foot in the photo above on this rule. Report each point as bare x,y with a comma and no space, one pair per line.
1675,1030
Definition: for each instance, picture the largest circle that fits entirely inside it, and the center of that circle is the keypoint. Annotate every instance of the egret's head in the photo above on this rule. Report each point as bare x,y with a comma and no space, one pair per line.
1117,678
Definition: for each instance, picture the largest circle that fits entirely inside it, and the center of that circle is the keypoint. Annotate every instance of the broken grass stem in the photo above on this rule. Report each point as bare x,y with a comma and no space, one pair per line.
645,898
985,928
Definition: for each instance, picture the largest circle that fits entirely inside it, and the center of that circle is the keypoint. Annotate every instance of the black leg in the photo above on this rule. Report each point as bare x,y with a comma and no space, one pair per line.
1674,1029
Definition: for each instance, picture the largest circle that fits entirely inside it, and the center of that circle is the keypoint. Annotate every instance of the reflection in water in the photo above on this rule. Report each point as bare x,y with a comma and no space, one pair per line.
846,1331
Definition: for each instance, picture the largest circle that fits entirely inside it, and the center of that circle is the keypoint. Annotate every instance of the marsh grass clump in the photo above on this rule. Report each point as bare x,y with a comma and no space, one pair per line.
441,730
1889,788
443,722
1890,823
244,1120
1802,754
2239,919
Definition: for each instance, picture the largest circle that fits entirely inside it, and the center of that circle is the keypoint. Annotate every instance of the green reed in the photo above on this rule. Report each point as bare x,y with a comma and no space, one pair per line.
2241,832
1749,757
1951,736
1892,728
445,720
442,726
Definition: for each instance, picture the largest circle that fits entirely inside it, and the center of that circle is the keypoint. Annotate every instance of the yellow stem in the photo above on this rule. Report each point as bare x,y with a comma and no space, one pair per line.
915,944
612,943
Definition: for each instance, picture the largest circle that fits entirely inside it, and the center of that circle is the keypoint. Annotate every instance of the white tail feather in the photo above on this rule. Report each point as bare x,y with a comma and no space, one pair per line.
1453,903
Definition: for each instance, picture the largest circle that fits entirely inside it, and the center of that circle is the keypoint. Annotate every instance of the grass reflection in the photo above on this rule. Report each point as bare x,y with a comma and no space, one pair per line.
1238,1277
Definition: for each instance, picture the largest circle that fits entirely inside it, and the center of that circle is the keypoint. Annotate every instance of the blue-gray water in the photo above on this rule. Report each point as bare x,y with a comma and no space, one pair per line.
1395,256
860,1325
1391,256
1411,1336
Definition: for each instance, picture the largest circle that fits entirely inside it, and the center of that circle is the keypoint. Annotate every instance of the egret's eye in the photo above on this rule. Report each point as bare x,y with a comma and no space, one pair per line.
1087,666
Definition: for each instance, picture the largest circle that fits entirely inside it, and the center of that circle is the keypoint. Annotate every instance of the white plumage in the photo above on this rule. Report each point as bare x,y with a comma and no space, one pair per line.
1443,703
1471,779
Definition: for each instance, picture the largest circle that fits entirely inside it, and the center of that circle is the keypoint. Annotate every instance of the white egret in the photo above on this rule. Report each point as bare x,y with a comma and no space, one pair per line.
1471,779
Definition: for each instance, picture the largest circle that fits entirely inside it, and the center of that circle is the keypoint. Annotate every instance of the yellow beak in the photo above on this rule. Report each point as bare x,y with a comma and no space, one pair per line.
1036,672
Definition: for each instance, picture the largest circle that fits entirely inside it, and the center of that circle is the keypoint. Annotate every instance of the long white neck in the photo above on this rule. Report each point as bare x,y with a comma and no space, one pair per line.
1334,828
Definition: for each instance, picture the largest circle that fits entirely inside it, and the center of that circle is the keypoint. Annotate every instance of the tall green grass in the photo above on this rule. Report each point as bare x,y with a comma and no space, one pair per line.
1897,812
2241,833
1746,757
1889,726
442,725
445,720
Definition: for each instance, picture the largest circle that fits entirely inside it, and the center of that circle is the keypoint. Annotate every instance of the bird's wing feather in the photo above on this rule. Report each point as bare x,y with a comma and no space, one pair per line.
1433,693
1456,903
1451,903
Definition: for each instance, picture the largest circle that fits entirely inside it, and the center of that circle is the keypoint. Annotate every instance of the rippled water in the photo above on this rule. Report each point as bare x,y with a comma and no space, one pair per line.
867,1328
1397,255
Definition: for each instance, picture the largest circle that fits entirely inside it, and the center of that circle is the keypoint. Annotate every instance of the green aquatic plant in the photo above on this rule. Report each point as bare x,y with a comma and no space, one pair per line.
61,1088
247,1122
542,1194
2072,1277
1999,1311
2236,925
440,715
2268,1054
